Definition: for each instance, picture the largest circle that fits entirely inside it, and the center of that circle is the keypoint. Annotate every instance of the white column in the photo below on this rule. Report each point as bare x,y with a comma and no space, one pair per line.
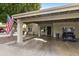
19,32
39,31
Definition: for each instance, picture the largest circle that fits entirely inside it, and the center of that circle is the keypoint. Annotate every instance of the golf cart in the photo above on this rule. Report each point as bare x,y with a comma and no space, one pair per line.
68,34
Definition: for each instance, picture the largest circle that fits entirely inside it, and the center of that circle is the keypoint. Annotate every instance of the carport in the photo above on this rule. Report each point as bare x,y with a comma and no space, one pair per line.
53,19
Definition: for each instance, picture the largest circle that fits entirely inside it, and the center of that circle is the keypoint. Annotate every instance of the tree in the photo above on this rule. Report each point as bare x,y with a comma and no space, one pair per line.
14,8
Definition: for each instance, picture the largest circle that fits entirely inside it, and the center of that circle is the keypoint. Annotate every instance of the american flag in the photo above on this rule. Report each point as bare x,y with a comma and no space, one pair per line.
9,24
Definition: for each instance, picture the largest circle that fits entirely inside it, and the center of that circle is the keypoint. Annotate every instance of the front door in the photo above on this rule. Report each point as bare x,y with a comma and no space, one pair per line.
48,30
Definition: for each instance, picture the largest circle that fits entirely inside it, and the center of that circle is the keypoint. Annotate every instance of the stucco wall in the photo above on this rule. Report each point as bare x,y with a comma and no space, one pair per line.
57,27
34,27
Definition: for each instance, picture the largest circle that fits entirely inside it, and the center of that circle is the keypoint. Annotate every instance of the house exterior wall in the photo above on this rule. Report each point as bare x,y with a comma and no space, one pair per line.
34,28
44,25
57,27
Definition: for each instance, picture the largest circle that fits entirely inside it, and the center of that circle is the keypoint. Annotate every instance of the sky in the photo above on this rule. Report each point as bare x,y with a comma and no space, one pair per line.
48,5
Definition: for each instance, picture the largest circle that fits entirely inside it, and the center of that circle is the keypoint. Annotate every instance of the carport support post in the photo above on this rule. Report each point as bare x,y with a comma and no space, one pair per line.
19,31
39,32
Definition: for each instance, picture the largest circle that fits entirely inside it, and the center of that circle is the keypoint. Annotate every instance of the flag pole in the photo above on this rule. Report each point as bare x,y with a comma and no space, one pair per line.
14,20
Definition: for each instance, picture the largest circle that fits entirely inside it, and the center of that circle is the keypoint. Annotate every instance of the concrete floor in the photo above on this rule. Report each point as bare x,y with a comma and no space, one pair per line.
41,47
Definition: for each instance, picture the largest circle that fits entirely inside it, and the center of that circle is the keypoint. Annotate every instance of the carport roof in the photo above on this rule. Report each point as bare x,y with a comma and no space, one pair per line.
68,7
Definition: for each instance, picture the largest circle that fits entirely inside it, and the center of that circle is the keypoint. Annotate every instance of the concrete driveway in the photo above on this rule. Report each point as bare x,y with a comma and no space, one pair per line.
41,47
